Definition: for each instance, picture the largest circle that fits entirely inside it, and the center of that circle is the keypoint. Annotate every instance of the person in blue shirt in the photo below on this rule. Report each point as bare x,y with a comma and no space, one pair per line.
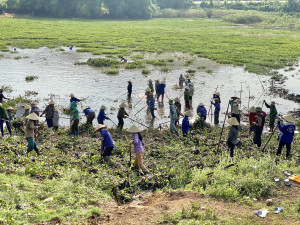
287,134
185,123
102,116
173,116
107,142
152,105
201,111
161,91
73,99
90,115
217,111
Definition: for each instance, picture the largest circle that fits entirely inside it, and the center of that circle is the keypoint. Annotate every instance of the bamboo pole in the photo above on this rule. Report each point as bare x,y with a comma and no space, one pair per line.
223,127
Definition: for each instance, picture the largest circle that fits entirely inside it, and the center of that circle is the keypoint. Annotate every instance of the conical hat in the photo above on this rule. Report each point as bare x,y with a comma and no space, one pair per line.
148,90
192,84
163,82
188,113
23,104
289,118
100,126
52,102
123,105
129,81
0,104
56,110
177,99
186,87
272,103
218,94
103,107
134,129
233,121
258,109
72,95
201,104
252,109
33,103
9,108
234,97
149,80
32,116
27,107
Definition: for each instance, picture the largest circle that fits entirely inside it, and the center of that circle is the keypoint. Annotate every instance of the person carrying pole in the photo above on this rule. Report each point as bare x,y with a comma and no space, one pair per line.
235,110
152,105
49,113
181,80
258,126
272,115
173,116
217,95
29,132
186,123
74,119
121,115
161,91
217,111
150,85
4,118
191,94
232,138
187,98
287,134
129,89
138,148
107,142
102,116
90,115
178,110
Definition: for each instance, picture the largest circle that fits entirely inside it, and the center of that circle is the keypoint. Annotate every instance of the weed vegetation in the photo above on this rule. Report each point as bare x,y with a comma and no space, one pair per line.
258,47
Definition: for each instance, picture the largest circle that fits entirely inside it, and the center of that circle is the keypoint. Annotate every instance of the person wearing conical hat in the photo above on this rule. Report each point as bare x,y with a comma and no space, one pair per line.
217,111
147,93
129,89
173,116
56,119
121,115
27,110
4,118
73,98
186,123
75,119
107,142
29,132
36,110
287,134
191,94
20,111
235,109
217,95
201,111
252,115
178,110
90,115
186,95
232,138
9,111
102,116
49,113
152,105
2,96
156,87
181,80
161,91
150,85
138,147
258,126
272,115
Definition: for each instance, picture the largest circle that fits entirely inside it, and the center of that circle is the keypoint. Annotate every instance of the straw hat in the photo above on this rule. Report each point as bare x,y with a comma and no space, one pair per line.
33,103
192,84
23,104
72,95
236,101
52,102
129,81
123,105
56,110
234,97
134,129
10,108
252,109
163,82
272,103
27,107
289,118
32,116
201,104
100,126
177,99
148,90
0,104
149,80
188,113
233,121
103,107
186,87
258,109
218,94
171,102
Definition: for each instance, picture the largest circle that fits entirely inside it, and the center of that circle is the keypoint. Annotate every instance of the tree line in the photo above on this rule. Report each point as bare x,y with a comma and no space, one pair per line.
132,9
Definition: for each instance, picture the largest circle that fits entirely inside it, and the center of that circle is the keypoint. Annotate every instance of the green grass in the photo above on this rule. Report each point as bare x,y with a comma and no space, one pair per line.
31,78
111,72
258,48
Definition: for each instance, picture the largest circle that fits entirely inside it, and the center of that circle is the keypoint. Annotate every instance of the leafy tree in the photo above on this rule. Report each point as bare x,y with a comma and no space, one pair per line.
292,6
174,4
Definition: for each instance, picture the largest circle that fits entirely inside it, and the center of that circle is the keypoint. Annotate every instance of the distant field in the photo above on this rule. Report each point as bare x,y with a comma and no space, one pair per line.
257,48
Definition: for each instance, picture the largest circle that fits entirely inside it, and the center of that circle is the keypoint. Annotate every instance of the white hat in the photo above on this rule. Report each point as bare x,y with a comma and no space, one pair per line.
52,102
103,107
177,99
218,94
129,81
72,95
289,118
148,89
23,104
201,104
186,87
272,103
149,80
32,116
163,82
33,103
9,108
192,84
100,126
188,113
0,104
252,109
123,105
56,110
27,107
134,129
233,121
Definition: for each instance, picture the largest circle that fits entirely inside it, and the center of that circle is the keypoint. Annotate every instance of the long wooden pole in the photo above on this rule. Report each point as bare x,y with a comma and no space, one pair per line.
269,139
223,127
137,122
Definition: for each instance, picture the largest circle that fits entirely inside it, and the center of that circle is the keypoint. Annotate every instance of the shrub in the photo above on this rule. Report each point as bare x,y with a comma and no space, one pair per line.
31,78
159,62
100,62
111,72
146,71
244,19
134,65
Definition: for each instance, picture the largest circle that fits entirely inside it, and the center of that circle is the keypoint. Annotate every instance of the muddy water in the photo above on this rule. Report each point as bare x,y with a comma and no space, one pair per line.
58,77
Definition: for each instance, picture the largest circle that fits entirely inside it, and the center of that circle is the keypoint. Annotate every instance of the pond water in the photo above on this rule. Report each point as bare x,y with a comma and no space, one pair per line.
58,77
